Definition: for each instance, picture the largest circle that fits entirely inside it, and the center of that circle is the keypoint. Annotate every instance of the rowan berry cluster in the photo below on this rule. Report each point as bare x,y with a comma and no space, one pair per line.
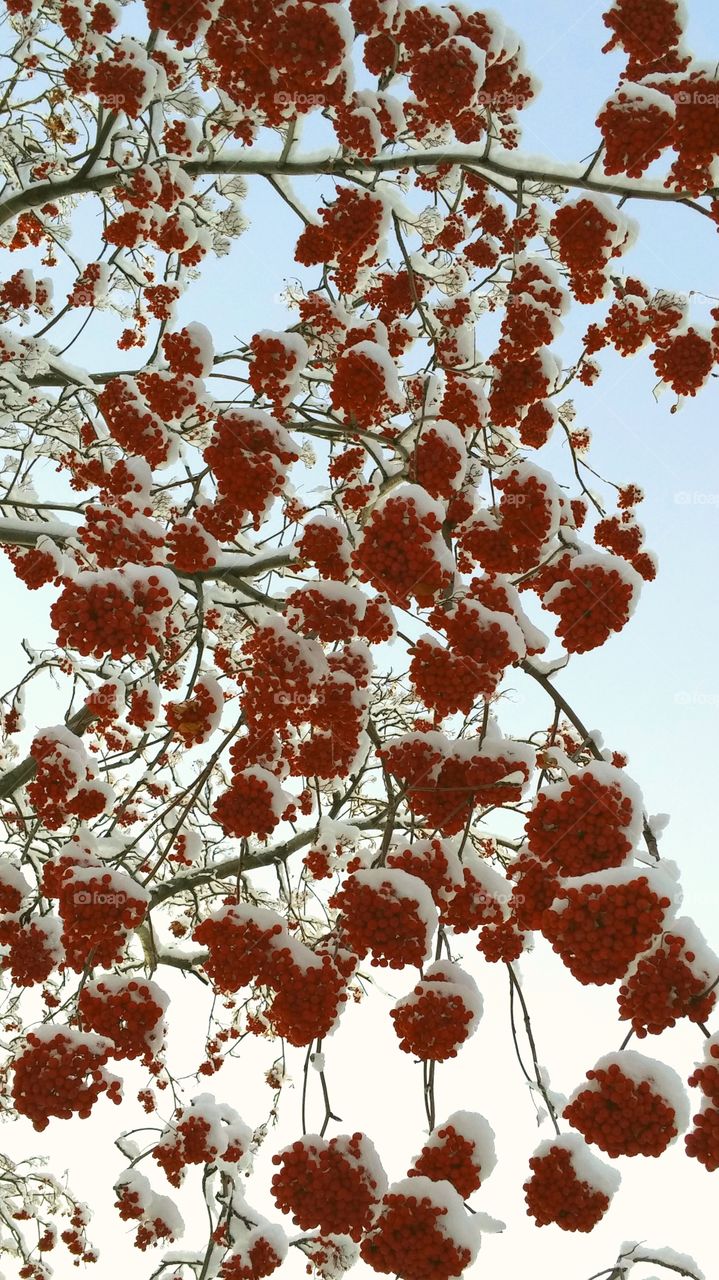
389,914
622,1114
277,361
330,616
592,600
256,1258
64,785
647,30
204,1132
156,1215
359,387
443,782
60,1072
191,548
33,949
98,909
556,1193
439,1015
116,612
254,804
460,1152
240,943
130,421
127,1012
516,385
702,1142
34,567
664,985
398,552
582,826
323,545
250,945
598,929
332,1185
685,360
526,517
635,132
346,235
195,719
249,455
409,1236
589,233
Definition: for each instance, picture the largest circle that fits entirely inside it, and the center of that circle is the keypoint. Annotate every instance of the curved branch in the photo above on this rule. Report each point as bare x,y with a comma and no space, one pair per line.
39,193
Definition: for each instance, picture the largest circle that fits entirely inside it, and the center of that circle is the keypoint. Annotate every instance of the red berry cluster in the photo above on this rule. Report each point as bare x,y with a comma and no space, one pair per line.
277,360
329,617
98,911
33,567
696,132
331,1185
635,133
647,30
240,943
191,548
60,1073
250,945
257,1258
250,806
33,949
125,1011
114,540
702,1142
347,234
324,545
599,929
556,1194
592,602
195,719
408,1237
501,943
663,986
130,421
526,517
249,455
99,614
359,388
438,463
449,1156
622,1115
389,914
580,826
443,786
398,552
588,236
309,996
516,385
439,1015
685,360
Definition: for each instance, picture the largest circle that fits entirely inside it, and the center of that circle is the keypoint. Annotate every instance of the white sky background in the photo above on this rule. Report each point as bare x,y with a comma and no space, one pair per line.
653,691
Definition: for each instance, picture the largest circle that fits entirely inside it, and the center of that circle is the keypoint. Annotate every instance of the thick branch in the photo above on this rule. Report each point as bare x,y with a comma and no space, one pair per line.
25,772
39,193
